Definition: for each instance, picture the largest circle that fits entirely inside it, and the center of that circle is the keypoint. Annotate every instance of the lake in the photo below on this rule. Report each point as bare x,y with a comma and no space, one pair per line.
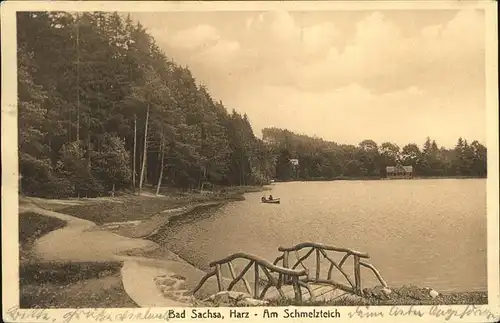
431,233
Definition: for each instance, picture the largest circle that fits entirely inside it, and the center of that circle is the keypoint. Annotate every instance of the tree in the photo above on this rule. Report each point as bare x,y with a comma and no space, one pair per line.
284,169
144,150
479,164
411,155
87,83
162,159
390,155
111,163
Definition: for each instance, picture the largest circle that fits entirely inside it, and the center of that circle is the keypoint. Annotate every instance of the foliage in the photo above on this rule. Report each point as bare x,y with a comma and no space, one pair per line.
86,82
82,87
72,285
323,160
112,162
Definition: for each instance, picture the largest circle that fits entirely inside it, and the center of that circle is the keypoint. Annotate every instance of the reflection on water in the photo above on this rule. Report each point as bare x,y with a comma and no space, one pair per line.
426,232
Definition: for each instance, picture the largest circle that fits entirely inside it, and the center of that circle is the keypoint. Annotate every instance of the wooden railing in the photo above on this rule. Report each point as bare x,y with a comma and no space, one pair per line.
285,276
320,251
289,274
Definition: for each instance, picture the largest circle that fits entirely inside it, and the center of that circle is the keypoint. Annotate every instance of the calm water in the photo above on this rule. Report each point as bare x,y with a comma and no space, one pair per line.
425,232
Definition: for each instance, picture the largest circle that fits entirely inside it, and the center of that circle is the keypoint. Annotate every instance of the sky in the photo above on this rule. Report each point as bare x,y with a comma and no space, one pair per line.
344,76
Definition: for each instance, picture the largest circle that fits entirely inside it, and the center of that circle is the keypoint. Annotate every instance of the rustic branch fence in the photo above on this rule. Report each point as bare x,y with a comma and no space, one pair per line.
320,251
289,274
258,264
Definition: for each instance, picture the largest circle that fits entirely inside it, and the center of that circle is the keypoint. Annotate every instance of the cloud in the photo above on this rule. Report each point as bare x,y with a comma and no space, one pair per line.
332,78
282,34
220,53
319,37
194,38
407,114
380,57
159,32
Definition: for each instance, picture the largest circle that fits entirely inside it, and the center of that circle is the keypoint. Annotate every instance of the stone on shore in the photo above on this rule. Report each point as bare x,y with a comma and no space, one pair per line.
232,298
378,292
433,293
413,292
417,293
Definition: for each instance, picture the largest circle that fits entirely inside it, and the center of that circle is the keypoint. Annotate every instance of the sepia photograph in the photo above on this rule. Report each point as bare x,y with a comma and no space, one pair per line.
273,157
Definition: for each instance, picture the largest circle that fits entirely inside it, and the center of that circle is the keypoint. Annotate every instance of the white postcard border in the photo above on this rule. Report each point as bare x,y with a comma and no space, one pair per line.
10,269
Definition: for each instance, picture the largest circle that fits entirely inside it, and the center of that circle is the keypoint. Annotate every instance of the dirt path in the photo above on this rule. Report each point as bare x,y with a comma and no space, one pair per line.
77,242
149,282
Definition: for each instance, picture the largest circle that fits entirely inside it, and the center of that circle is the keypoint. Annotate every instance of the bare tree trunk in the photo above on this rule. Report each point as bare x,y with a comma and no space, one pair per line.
88,144
135,153
161,166
144,155
69,125
146,170
77,78
113,191
88,148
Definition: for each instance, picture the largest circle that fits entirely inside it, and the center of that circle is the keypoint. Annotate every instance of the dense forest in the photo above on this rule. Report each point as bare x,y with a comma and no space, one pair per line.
102,108
323,160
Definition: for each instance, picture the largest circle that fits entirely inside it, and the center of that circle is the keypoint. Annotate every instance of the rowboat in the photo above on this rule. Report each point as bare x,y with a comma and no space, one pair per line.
273,201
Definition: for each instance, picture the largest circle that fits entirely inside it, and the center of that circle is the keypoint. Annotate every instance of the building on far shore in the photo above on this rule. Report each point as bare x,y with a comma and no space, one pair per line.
399,171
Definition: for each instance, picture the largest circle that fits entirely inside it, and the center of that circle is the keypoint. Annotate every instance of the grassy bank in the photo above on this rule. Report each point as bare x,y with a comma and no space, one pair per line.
31,227
154,224
64,285
452,298
72,285
133,207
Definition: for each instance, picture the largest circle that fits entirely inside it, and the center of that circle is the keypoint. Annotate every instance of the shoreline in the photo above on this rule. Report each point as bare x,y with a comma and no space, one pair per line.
145,228
377,179
153,224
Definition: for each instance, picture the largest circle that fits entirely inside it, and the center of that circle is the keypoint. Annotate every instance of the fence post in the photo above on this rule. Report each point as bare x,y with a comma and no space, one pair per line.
318,265
219,277
357,274
296,288
256,282
285,265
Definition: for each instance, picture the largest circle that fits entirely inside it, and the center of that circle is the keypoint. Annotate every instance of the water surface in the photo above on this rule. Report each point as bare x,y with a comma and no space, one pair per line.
425,232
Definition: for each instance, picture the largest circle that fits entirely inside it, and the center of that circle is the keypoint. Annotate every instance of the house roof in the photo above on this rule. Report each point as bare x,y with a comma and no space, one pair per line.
392,169
408,168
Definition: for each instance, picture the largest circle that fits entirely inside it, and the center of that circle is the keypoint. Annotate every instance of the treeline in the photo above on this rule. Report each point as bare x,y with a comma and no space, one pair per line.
102,108
320,159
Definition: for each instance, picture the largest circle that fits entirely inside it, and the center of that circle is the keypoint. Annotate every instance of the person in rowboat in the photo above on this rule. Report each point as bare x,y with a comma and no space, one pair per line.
263,199
270,197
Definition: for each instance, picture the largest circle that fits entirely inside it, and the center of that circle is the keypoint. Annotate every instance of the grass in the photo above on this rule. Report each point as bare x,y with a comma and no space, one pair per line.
129,208
75,285
31,227
134,207
456,298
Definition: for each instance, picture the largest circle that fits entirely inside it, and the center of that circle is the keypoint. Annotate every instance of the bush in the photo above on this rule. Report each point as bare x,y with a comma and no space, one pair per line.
64,273
57,187
39,180
112,163
87,185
